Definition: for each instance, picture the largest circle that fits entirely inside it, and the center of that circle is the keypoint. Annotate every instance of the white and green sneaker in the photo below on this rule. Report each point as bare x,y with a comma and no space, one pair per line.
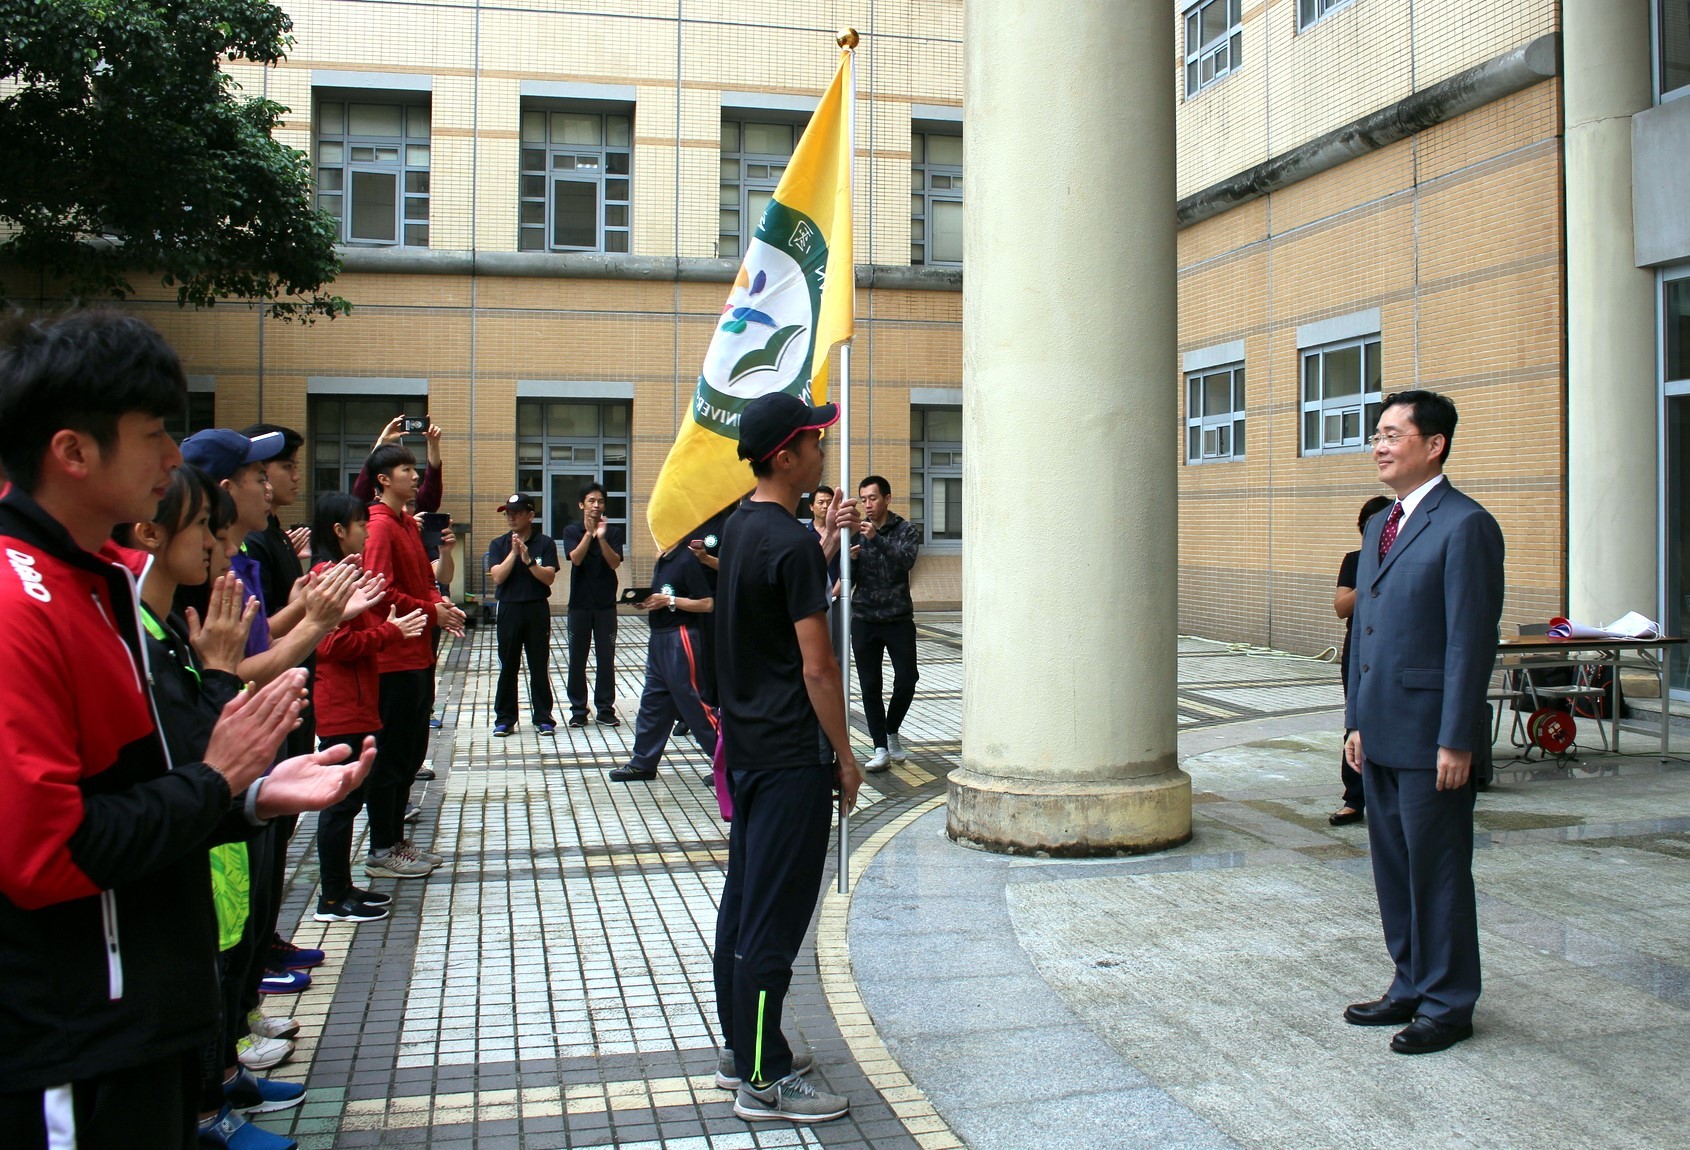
727,1079
792,1099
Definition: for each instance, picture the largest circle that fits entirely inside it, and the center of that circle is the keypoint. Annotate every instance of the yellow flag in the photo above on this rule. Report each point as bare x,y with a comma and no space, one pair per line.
792,301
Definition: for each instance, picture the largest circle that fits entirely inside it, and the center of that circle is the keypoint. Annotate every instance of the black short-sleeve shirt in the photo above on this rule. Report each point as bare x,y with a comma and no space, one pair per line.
1347,578
521,585
677,573
592,585
771,576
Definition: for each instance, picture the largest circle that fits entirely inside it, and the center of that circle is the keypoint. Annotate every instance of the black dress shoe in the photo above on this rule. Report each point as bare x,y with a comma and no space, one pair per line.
1385,1011
1428,1036
629,775
1345,817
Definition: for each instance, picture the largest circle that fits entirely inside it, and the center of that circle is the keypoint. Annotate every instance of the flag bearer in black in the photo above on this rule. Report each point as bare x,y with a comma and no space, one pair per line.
681,596
779,687
594,547
523,563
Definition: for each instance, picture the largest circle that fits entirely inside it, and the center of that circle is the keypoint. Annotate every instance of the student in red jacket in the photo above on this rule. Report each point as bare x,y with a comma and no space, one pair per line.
348,711
394,548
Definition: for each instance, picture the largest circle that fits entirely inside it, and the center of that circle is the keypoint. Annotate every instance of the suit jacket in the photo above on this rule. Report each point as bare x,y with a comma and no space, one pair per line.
1424,634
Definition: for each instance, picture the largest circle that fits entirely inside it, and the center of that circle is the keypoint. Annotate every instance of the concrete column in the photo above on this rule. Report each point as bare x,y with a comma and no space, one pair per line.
1070,429
1612,505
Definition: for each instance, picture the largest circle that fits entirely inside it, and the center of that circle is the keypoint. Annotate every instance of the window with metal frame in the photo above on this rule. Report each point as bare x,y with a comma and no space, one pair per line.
1312,11
1214,414
1214,42
200,415
754,157
372,170
576,181
1342,393
563,445
342,429
1672,31
935,502
935,199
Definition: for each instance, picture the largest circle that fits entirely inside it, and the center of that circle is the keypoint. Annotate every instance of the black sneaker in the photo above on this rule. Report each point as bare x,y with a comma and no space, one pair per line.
368,897
424,774
577,721
630,775
412,813
348,910
608,719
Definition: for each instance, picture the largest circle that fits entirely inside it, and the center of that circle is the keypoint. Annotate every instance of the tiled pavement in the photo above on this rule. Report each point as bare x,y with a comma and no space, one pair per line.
550,986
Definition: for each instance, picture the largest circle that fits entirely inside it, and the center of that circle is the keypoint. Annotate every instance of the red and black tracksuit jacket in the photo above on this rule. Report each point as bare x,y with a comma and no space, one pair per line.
348,690
394,547
108,938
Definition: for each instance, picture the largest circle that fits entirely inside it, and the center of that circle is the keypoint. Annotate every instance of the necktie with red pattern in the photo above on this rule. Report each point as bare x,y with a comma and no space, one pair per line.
1389,536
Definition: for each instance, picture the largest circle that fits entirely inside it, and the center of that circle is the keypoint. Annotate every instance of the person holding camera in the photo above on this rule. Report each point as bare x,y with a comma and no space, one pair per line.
523,565
594,547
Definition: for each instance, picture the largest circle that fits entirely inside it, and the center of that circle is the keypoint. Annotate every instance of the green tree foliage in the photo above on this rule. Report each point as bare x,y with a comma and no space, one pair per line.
125,148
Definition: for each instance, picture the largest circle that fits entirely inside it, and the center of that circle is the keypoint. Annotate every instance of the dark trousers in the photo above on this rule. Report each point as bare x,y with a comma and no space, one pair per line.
777,848
153,1104
869,641
220,1054
525,631
598,629
1422,840
407,700
334,827
267,860
1355,795
674,675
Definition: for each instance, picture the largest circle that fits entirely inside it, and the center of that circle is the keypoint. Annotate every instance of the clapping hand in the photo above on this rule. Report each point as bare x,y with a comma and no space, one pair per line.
448,618
327,594
520,548
252,726
299,538
316,781
410,625
371,589
221,639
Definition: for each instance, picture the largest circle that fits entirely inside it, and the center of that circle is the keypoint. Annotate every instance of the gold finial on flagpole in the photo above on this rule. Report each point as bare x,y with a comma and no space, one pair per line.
847,38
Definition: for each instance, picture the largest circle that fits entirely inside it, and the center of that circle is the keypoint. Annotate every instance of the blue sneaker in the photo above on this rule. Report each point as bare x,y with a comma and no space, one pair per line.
547,728
435,723
250,1094
229,1131
285,955
283,982
500,730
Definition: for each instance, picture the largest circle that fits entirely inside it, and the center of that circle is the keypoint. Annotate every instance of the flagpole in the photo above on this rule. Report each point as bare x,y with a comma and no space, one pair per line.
847,39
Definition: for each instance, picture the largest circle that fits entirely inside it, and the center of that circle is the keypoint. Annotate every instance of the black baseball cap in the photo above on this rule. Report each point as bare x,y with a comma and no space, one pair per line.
770,421
517,503
220,452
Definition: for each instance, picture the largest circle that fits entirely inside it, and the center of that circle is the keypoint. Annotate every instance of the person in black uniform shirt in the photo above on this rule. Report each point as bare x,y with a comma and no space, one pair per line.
1344,603
523,563
680,597
779,687
594,547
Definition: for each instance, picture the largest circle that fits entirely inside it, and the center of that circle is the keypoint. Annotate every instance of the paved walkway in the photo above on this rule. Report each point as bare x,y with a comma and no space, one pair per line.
551,987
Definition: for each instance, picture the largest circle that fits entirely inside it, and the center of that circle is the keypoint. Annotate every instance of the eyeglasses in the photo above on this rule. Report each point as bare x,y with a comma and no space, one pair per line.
1389,438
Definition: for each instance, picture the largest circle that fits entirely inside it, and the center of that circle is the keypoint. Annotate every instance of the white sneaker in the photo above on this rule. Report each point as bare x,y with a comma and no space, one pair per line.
257,1053
264,1026
895,748
879,761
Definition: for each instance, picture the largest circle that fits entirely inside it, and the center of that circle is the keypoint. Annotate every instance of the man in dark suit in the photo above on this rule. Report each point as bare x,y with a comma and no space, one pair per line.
1424,635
